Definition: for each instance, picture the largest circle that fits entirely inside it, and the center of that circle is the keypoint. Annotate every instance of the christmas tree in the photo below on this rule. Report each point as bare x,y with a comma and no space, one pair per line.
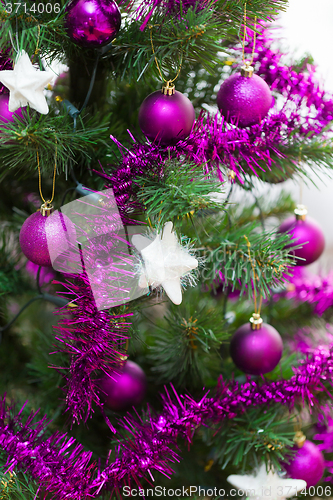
161,334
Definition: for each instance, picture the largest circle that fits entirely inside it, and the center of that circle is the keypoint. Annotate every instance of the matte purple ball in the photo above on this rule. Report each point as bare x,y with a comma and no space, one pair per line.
244,101
308,464
6,115
166,118
126,388
305,232
33,239
92,23
256,351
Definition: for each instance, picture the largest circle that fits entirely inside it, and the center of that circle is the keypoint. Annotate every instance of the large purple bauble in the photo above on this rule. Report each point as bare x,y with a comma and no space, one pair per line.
303,231
166,118
92,23
256,351
6,115
126,388
308,464
33,240
243,100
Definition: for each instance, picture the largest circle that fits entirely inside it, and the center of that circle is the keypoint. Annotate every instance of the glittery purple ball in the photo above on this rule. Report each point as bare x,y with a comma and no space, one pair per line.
308,464
244,101
126,388
6,115
166,118
92,23
33,240
305,232
256,351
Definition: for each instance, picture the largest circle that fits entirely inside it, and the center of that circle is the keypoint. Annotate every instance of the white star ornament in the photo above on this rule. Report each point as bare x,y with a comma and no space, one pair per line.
165,262
266,485
26,85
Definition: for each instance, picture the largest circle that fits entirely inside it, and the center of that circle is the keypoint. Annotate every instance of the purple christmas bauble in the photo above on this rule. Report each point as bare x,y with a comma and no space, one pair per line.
308,233
39,232
256,351
126,388
307,464
243,100
92,23
6,115
166,118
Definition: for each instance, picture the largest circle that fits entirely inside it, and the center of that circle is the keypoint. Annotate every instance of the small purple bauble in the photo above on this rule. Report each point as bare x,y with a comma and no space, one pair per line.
6,115
92,23
33,239
308,233
243,100
126,388
308,464
166,119
256,351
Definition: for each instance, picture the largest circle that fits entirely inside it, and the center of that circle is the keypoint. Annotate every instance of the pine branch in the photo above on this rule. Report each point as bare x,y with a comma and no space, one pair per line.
186,343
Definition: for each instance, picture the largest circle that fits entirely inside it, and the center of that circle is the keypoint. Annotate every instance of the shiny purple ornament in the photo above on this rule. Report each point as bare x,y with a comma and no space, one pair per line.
256,351
126,388
166,119
308,464
306,232
33,240
92,23
6,115
244,100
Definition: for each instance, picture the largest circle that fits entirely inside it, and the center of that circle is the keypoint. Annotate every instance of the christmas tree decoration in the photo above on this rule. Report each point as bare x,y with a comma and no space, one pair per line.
266,485
125,388
256,347
39,231
92,23
308,463
304,231
26,85
6,115
244,99
166,117
166,262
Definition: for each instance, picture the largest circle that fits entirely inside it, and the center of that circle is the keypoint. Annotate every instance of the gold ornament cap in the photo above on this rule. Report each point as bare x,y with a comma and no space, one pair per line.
299,439
256,321
168,88
300,212
247,70
46,209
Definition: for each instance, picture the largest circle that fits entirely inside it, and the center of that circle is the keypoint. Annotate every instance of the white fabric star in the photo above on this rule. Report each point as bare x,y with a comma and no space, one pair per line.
166,261
266,485
26,85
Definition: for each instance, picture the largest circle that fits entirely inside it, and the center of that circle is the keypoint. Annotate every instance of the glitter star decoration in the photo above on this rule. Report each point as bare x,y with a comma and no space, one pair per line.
266,485
26,85
165,262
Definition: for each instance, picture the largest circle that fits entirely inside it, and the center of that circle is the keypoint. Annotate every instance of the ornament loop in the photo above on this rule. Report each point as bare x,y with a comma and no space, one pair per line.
46,209
168,88
256,321
300,212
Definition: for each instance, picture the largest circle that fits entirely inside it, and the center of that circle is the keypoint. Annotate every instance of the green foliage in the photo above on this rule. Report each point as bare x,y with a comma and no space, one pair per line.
256,433
186,342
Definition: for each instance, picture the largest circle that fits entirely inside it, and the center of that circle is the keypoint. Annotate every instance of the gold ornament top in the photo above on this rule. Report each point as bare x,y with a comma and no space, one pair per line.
299,439
168,88
256,321
46,209
300,212
247,70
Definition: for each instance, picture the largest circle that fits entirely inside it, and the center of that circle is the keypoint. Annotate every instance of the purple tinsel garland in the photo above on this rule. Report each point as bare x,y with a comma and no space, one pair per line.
62,467
314,289
5,63
94,341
